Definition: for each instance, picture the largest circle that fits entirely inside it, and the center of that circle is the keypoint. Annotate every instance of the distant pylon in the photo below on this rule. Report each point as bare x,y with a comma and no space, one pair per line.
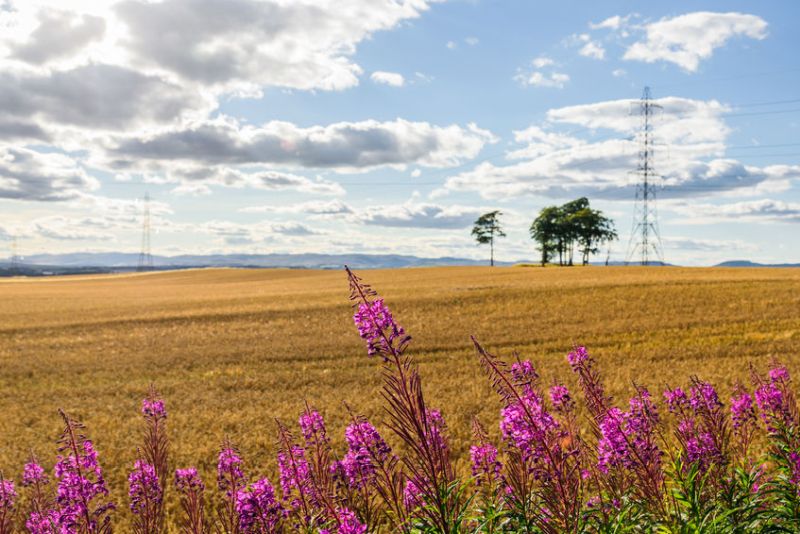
15,260
145,256
645,241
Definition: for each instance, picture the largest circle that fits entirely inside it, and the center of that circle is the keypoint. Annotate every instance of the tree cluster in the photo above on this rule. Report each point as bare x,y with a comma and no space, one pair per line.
557,230
561,230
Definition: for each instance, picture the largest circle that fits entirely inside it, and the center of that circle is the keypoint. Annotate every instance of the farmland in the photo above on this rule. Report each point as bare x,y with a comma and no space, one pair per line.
231,350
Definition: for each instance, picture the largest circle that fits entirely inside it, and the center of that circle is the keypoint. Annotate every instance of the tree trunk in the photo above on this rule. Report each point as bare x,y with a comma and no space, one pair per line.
491,253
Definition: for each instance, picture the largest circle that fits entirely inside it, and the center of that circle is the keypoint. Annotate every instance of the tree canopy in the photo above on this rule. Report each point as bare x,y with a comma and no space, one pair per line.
487,228
560,230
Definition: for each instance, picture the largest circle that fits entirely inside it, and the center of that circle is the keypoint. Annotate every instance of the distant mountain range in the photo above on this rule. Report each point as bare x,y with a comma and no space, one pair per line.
747,263
103,262
121,261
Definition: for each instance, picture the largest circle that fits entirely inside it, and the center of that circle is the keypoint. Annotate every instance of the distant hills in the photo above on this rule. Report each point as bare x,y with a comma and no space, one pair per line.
747,263
104,262
121,261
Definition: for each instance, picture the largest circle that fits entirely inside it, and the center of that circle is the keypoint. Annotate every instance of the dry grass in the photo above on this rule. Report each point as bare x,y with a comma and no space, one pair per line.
233,349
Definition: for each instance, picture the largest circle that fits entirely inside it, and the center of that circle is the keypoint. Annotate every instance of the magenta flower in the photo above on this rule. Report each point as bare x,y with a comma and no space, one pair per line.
230,477
257,508
412,495
779,374
377,326
742,411
528,426
188,480
349,523
362,435
33,473
153,407
703,398
524,372
561,399
293,470
612,447
80,481
628,439
676,399
485,465
144,489
8,495
45,522
578,358
774,410
312,425
191,489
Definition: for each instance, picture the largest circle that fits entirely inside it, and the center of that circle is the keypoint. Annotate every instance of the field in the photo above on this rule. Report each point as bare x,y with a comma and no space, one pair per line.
231,350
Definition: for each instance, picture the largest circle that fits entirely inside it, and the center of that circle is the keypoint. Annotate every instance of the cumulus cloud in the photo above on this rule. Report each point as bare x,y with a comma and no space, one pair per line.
92,97
262,43
315,208
30,175
687,39
203,177
233,233
762,211
614,22
57,34
388,78
339,146
536,77
593,49
554,163
693,244
73,229
420,216
540,79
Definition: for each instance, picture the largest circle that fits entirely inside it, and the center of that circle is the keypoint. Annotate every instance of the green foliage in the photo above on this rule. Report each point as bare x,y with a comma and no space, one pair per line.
559,229
487,228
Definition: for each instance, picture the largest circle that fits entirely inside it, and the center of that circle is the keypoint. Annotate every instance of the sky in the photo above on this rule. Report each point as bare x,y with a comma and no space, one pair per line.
389,126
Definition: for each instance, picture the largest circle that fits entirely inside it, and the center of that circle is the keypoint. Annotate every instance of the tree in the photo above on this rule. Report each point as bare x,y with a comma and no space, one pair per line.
545,230
570,227
486,229
592,229
561,228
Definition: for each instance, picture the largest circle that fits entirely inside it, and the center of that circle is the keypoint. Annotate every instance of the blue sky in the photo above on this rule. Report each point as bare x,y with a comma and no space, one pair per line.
389,126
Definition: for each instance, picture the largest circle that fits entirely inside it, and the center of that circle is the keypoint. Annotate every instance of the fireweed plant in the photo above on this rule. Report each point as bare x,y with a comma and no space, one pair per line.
681,460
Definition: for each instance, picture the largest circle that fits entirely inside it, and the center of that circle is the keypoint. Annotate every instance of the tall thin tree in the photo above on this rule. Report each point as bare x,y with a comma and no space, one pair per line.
487,228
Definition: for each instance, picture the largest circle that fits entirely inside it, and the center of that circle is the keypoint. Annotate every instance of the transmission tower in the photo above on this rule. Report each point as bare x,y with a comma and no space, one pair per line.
145,256
645,241
15,260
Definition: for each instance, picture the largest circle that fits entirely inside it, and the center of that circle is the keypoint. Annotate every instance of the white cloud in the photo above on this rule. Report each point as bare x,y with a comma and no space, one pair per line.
411,215
73,229
542,61
611,23
321,208
388,78
472,41
539,79
30,175
593,49
554,163
759,211
343,146
618,73
687,39
451,45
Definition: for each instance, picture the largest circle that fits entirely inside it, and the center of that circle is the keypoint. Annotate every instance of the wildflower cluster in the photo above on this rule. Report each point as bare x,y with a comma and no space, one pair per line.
682,460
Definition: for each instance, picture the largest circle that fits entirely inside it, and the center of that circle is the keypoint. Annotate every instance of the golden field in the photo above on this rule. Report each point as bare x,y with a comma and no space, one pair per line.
231,350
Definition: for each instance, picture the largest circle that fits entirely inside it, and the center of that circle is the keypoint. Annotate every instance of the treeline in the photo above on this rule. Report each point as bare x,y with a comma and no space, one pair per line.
559,231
